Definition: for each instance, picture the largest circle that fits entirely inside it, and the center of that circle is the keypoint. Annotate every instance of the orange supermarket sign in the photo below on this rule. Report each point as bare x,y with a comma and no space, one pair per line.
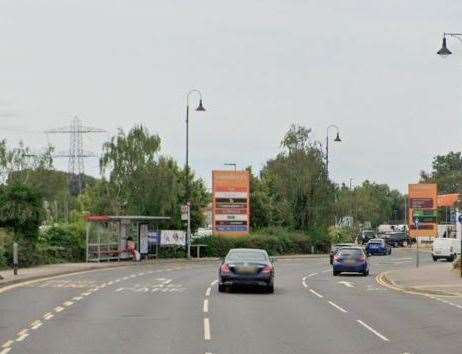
231,204
423,204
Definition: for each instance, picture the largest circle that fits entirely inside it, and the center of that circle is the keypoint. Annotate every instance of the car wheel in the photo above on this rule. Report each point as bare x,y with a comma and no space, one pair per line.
450,259
335,273
270,289
365,273
221,288
389,253
434,258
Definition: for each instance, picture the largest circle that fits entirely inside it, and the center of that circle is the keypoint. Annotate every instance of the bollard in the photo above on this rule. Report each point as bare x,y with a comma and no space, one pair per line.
15,258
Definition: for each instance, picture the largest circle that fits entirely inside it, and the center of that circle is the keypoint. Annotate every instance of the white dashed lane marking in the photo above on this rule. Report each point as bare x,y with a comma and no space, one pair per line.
365,325
316,293
59,308
48,316
206,306
338,307
207,292
206,329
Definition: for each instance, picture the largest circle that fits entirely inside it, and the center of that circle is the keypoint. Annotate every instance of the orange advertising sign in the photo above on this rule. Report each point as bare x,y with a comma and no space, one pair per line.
423,204
231,194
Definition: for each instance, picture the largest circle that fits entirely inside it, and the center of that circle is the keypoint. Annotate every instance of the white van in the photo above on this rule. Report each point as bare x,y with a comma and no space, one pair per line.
447,248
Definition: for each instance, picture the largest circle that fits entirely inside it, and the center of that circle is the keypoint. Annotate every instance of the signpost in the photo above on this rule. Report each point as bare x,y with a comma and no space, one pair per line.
460,254
416,222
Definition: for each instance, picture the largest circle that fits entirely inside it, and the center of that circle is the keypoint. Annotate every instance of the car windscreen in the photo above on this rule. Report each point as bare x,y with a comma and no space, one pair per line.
353,252
259,257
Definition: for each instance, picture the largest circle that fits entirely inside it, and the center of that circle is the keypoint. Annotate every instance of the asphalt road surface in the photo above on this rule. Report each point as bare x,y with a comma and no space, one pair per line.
176,309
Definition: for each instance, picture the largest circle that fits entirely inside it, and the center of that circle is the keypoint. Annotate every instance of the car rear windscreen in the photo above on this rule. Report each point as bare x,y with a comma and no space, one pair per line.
247,257
350,252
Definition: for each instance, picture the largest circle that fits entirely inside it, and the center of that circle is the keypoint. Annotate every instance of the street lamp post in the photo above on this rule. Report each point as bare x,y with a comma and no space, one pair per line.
231,164
337,139
200,108
445,52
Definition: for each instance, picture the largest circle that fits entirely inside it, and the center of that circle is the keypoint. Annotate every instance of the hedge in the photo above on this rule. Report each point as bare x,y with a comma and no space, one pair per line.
274,241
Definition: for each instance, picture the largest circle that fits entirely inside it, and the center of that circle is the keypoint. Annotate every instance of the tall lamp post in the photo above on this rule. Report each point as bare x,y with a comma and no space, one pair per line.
445,52
200,108
337,139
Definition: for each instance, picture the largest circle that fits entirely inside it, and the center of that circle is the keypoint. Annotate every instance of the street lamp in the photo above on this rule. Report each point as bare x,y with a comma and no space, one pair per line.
445,52
231,164
337,140
200,108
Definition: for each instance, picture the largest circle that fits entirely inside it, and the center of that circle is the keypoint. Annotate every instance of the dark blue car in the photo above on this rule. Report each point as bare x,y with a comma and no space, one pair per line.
352,259
378,246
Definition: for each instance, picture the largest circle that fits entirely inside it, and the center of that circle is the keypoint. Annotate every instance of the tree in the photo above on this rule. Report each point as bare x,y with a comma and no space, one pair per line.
297,183
143,182
446,173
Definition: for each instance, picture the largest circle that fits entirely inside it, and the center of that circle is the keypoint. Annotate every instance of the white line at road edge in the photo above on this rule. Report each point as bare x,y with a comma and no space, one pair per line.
381,336
338,307
206,329
317,294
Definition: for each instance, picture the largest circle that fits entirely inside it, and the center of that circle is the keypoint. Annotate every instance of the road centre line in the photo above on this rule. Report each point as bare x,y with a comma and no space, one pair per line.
59,308
338,307
22,337
316,293
48,315
24,331
365,325
206,306
8,343
206,329
37,324
68,303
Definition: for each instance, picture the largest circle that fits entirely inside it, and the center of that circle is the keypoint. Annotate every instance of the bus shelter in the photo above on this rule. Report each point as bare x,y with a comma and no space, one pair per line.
117,237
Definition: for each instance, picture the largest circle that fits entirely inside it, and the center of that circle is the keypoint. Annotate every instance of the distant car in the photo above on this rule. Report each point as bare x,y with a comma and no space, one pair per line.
243,266
367,235
446,248
334,248
395,239
351,259
378,246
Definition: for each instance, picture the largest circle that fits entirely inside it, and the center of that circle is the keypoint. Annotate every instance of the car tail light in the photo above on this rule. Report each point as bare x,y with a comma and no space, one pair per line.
225,268
267,269
337,258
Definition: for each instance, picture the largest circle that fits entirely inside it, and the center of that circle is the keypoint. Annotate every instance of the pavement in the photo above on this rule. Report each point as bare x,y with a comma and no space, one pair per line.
175,308
439,278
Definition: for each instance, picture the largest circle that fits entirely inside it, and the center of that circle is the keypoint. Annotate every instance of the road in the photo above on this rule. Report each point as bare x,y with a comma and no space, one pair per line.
176,308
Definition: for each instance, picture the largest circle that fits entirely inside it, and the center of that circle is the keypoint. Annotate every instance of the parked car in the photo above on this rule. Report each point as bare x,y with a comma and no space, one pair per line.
378,246
335,247
446,248
243,266
351,259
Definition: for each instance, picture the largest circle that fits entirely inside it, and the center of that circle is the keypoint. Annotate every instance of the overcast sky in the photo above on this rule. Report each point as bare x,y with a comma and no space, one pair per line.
367,66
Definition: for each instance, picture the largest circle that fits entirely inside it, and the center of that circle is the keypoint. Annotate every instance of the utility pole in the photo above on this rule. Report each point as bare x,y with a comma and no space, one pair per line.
76,154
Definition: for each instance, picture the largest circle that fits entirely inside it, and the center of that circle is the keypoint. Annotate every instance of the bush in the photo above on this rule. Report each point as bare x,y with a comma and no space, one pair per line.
62,243
276,241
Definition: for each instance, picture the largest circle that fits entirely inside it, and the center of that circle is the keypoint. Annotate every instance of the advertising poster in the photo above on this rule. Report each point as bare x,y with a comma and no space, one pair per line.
172,238
231,211
423,206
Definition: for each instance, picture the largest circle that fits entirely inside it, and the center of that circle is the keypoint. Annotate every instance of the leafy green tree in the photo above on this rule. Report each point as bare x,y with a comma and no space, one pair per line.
297,182
446,173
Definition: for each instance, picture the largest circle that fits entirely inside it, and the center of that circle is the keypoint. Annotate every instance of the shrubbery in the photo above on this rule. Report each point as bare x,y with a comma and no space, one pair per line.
276,241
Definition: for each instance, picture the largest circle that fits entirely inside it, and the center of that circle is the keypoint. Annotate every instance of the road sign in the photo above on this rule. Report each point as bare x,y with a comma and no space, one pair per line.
184,212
